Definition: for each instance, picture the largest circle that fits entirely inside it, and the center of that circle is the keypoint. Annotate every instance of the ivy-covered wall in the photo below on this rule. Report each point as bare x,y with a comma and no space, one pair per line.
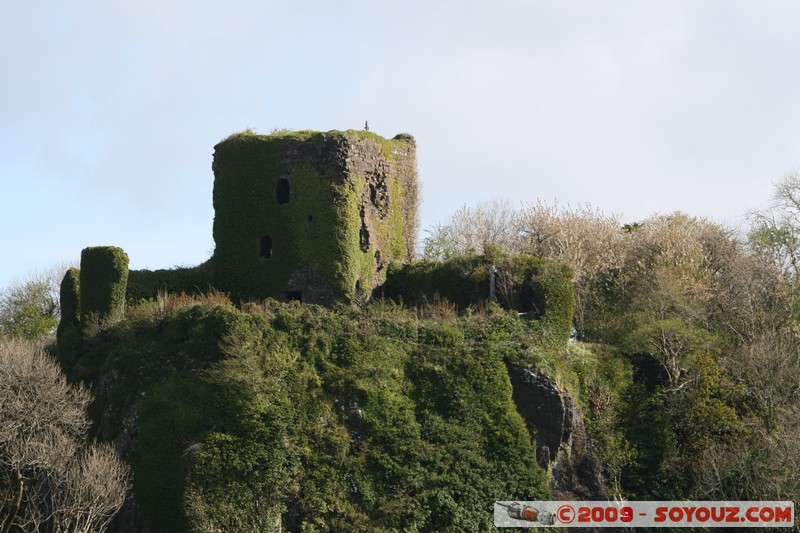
539,287
103,281
69,295
68,334
310,215
146,284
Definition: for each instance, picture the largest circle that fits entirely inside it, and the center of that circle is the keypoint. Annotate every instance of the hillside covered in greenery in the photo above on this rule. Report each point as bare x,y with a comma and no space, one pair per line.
320,420
649,361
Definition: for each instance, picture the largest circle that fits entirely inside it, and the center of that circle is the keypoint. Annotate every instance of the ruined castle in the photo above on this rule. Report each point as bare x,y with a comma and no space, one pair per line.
312,216
309,216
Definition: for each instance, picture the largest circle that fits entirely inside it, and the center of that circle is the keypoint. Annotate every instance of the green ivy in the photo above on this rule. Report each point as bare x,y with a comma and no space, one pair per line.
540,288
147,284
103,281
324,420
68,333
319,227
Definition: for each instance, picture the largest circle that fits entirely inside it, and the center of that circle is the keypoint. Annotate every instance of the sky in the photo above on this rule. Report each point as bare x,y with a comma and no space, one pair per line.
109,111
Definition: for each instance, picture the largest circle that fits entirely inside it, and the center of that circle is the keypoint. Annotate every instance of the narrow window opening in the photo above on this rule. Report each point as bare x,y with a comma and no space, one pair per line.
359,290
265,247
282,190
373,194
364,237
294,295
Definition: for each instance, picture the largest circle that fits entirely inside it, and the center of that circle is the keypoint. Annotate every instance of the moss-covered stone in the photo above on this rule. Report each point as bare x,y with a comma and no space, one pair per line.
313,216
541,288
146,284
70,297
103,280
68,334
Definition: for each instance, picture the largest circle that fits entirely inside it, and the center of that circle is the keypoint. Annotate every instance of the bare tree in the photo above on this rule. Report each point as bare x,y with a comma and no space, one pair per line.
768,467
585,238
769,368
775,231
91,491
471,229
50,478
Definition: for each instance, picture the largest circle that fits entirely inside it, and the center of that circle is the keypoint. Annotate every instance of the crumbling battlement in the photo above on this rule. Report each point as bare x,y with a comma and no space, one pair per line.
312,216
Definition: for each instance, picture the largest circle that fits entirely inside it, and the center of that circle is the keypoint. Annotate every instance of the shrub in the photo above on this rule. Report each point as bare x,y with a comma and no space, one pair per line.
51,478
330,420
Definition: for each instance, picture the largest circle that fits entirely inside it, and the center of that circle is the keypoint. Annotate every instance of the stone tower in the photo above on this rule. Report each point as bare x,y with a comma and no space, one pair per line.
312,216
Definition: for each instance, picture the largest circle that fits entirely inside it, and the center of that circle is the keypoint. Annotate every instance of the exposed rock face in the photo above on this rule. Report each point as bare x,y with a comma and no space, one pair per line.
562,443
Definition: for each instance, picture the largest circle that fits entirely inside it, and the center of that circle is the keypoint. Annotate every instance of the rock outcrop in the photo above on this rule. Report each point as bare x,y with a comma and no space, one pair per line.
557,427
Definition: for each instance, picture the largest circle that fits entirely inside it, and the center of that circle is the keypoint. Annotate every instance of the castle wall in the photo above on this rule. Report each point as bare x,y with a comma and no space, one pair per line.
312,216
102,284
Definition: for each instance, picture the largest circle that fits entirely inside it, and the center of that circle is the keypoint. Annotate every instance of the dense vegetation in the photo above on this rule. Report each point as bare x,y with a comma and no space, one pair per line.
537,288
325,420
399,416
707,320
